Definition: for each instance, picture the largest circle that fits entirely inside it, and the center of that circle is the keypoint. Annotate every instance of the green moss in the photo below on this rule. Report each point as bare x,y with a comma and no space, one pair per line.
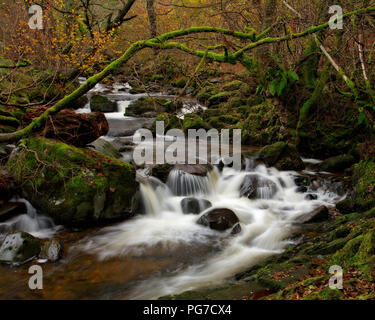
220,97
180,83
74,182
193,121
157,77
170,122
233,86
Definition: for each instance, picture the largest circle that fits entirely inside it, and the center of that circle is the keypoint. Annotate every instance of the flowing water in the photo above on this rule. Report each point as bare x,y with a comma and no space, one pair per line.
165,251
266,222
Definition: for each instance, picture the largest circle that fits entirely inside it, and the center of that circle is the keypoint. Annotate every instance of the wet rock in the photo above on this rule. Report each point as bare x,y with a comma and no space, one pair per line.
19,247
301,189
219,219
52,250
161,171
282,156
138,206
149,107
193,169
68,126
102,104
194,205
338,163
79,187
11,209
311,197
255,186
105,147
302,181
236,229
320,214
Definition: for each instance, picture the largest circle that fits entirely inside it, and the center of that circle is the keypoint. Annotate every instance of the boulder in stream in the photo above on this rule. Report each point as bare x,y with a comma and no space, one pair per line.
102,104
52,250
194,205
255,186
193,169
76,187
219,219
338,163
19,247
282,156
319,214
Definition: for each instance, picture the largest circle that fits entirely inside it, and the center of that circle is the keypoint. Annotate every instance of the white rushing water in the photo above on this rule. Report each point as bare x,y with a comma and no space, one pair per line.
38,225
266,224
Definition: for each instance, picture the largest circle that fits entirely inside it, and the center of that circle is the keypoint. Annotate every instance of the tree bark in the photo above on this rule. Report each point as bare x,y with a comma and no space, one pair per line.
150,7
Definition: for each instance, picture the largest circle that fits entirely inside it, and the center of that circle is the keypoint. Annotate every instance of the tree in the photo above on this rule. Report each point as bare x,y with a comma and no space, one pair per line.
165,42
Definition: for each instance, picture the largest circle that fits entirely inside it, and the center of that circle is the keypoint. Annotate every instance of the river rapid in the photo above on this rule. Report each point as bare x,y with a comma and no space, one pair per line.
165,251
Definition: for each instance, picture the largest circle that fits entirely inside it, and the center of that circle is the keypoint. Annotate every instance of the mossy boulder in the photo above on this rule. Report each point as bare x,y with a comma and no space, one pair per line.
19,247
103,104
338,163
281,155
363,196
220,97
147,107
193,121
105,147
170,122
76,187
206,92
264,124
358,252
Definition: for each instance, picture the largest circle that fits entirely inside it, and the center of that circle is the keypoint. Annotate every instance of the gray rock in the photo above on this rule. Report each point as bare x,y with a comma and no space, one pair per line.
194,205
52,250
320,214
19,247
255,186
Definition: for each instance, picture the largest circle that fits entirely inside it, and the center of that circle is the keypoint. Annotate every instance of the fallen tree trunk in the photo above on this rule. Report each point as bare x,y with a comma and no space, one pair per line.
160,42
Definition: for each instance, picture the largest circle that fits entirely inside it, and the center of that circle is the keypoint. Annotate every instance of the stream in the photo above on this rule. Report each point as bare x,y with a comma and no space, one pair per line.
165,251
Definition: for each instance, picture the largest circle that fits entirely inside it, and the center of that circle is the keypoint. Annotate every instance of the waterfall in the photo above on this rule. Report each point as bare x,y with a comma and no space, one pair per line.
265,201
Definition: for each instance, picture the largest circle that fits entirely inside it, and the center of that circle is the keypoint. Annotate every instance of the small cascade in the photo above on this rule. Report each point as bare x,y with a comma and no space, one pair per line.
186,184
265,200
32,222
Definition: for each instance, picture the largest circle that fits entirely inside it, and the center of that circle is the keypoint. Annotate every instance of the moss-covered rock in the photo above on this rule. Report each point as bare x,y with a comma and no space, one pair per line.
207,92
102,104
220,97
193,121
19,247
263,125
357,253
282,156
363,195
147,107
170,122
338,163
74,186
